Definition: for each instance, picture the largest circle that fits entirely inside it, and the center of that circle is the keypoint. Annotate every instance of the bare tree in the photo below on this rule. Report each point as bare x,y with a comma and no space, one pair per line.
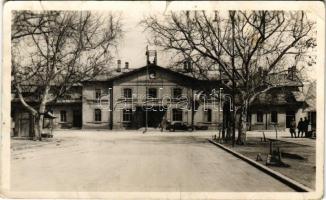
248,47
52,51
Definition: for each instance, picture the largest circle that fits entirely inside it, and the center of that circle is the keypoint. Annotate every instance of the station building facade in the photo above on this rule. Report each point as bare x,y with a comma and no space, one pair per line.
144,97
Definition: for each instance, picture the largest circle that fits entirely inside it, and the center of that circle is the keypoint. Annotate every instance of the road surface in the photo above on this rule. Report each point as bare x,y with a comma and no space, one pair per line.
116,162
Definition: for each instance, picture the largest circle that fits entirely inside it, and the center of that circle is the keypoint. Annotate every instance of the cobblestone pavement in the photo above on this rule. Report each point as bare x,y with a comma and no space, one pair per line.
132,161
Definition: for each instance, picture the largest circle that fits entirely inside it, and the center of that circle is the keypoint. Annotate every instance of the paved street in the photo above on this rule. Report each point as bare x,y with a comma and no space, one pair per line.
131,161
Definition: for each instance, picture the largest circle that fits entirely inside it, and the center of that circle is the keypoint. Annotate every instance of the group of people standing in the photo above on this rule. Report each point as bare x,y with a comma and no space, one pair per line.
302,127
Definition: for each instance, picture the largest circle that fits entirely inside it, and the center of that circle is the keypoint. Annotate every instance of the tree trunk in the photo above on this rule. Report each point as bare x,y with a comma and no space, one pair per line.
242,126
38,125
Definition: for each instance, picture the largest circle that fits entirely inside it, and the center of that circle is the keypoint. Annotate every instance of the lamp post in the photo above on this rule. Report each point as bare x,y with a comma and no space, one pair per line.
146,88
232,13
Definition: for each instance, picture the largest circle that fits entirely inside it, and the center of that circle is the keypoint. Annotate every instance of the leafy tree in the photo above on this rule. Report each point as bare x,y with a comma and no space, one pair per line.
249,48
52,51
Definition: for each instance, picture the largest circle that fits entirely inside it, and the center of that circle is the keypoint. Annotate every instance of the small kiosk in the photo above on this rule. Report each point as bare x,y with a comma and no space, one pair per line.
48,125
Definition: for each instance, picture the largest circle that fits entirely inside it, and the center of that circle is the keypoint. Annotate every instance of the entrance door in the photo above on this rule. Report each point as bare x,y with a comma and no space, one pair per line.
77,118
154,117
24,124
290,115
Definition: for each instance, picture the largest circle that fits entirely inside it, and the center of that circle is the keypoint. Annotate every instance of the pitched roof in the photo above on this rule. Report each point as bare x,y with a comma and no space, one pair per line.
284,79
114,75
298,95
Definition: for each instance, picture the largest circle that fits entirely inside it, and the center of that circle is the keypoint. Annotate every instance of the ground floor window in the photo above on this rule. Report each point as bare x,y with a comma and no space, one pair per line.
208,115
127,115
98,115
260,116
177,115
274,117
63,116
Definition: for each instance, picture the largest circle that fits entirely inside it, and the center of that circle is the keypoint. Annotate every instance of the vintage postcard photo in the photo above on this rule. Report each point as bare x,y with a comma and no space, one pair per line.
163,100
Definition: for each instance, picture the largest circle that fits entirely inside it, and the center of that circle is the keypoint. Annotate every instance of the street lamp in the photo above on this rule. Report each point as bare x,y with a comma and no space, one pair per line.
232,13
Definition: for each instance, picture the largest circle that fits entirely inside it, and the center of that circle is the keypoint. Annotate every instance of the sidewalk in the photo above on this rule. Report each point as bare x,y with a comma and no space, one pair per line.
301,170
282,136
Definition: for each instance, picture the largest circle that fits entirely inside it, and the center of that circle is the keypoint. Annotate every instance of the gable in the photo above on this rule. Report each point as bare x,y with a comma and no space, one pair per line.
154,75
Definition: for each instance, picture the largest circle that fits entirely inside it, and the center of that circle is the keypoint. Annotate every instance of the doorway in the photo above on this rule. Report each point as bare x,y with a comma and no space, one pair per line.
154,117
77,118
24,129
290,115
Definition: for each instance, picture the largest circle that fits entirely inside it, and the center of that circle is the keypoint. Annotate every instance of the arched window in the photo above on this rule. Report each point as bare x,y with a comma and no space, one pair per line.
98,115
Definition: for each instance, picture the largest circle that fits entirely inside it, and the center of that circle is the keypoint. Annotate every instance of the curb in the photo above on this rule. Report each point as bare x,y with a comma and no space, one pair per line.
284,179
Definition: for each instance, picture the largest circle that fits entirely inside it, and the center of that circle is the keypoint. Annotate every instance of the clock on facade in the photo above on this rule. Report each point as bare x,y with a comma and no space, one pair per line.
152,74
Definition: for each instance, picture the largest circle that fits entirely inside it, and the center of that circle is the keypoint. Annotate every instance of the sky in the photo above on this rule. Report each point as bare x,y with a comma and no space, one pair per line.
133,45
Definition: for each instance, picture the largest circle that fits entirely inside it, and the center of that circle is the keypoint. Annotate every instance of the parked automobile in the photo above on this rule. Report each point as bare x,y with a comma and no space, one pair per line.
178,125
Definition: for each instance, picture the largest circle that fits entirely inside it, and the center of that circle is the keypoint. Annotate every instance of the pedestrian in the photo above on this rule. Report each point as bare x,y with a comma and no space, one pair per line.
163,123
292,128
300,127
305,127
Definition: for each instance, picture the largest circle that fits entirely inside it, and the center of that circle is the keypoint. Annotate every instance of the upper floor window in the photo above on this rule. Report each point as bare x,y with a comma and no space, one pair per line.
274,117
176,92
98,115
152,92
260,116
127,92
98,93
63,116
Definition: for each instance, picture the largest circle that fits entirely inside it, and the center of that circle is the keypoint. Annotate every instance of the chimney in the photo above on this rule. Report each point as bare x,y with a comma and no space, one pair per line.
189,65
147,56
155,58
185,66
119,66
126,65
291,72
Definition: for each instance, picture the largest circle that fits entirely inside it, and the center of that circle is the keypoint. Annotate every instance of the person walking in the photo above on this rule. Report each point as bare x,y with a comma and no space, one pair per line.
163,123
292,128
305,126
300,127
